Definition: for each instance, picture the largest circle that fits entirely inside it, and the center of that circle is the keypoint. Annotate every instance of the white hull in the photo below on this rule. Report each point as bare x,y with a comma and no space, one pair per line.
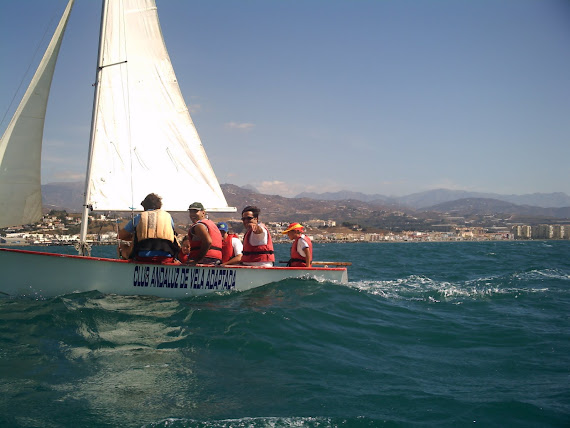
37,274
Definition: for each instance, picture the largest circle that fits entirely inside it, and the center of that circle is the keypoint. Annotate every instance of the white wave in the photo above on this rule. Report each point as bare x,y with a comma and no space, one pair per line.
263,422
417,287
537,274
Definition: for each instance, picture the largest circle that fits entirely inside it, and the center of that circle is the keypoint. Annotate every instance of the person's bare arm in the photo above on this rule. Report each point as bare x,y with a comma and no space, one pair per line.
125,236
201,231
308,257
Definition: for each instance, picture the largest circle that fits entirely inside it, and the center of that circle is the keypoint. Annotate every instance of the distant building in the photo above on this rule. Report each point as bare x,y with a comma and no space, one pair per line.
522,232
557,231
542,231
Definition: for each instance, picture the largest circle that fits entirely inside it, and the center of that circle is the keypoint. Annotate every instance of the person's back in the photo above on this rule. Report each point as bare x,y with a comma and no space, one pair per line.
152,232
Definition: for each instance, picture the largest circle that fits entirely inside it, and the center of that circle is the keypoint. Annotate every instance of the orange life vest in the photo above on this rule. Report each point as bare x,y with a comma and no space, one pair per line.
215,251
154,233
297,260
227,247
257,253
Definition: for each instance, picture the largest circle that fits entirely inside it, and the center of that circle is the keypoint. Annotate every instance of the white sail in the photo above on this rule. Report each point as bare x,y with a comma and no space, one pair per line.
21,144
144,140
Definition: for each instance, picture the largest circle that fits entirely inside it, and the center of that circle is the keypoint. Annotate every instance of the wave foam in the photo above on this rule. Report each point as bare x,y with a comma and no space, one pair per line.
418,287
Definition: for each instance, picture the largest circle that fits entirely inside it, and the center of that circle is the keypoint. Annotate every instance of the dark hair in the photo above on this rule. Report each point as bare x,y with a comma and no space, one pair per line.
253,209
152,202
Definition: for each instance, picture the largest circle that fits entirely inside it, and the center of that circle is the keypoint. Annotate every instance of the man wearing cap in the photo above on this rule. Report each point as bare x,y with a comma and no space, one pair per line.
205,238
232,247
302,248
151,233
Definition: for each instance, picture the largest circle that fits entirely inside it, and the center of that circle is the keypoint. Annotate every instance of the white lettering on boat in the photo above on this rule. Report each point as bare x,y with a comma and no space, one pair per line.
184,277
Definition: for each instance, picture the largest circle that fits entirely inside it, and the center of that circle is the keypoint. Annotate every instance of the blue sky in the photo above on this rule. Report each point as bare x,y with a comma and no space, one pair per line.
390,96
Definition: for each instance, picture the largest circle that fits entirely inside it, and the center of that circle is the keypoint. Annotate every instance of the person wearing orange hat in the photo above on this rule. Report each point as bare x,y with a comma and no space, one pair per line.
302,248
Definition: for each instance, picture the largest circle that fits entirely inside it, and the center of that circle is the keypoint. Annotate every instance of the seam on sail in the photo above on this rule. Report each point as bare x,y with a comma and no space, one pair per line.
173,159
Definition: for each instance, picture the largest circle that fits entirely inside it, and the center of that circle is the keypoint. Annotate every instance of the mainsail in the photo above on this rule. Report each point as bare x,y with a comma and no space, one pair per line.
143,138
21,144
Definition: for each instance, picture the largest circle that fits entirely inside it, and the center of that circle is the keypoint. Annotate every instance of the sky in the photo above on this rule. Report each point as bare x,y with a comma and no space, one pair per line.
387,97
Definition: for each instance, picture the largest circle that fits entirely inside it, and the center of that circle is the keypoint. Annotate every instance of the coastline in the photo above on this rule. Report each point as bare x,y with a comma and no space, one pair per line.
412,241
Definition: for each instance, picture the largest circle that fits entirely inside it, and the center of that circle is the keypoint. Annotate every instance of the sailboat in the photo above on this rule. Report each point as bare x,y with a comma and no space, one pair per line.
142,140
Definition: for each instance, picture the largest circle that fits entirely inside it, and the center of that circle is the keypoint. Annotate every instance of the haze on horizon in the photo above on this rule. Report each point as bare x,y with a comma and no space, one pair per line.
392,97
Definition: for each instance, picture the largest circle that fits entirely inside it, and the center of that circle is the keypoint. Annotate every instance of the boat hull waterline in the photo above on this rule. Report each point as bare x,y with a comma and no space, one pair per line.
44,275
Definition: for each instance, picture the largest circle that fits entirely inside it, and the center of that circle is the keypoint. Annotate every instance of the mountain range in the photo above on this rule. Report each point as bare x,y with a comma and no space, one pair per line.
358,207
438,196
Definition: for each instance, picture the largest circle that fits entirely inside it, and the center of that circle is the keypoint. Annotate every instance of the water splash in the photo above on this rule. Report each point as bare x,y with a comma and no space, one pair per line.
419,287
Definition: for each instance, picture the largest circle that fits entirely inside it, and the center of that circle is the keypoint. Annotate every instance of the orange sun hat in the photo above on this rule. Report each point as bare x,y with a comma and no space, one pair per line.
291,227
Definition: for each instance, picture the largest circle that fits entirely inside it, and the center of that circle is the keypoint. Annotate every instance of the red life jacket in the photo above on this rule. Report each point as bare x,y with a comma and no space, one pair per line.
257,253
183,257
297,260
227,248
215,251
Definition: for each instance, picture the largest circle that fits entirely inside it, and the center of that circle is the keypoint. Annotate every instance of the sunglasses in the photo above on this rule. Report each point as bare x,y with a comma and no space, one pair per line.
247,218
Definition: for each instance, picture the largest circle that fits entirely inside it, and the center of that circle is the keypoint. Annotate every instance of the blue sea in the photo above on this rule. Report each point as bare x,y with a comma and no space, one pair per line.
424,334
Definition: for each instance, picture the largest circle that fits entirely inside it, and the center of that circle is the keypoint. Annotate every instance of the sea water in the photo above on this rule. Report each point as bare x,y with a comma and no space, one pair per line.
424,334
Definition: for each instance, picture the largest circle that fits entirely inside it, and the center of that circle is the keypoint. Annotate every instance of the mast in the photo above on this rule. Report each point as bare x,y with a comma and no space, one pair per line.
82,246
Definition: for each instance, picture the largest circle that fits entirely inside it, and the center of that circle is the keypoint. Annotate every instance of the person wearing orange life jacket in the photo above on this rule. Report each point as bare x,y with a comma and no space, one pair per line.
257,244
232,248
205,238
302,248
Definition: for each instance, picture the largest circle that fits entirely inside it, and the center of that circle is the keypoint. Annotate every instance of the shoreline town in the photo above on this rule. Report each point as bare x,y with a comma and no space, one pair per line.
63,229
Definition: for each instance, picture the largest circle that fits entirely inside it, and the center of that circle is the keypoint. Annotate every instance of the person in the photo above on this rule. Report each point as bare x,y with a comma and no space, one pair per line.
232,248
205,238
184,253
257,244
151,232
302,247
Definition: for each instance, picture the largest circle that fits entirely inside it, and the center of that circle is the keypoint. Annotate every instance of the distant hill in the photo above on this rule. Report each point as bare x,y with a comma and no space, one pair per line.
433,197
376,213
63,196
250,187
346,195
279,208
437,196
544,200
69,196
487,206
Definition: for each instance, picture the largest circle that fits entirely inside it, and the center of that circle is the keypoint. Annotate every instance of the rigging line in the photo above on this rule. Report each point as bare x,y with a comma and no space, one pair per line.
32,61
